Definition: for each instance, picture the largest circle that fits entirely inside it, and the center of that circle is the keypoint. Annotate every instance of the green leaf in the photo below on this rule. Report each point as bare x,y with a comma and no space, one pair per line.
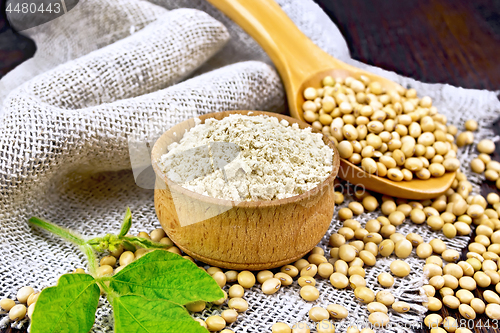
127,223
127,246
165,275
144,243
136,314
68,307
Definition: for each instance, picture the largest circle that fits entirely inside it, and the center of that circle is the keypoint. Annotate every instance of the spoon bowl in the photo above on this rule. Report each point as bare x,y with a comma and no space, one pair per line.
301,64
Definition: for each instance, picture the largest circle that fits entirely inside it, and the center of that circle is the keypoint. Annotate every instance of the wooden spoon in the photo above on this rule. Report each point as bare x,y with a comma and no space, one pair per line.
301,64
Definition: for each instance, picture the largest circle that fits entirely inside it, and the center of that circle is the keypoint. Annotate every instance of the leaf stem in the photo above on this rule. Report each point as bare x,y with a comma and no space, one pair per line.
109,291
104,282
92,259
105,278
61,232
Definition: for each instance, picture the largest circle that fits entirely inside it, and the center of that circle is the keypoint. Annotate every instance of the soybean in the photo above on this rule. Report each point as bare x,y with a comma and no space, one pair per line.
271,286
291,270
401,307
309,293
386,280
281,328
364,295
246,279
403,248
215,323
17,312
467,311
285,279
378,319
236,291
337,311
325,326
493,311
306,281
238,304
318,314
400,268
7,304
23,294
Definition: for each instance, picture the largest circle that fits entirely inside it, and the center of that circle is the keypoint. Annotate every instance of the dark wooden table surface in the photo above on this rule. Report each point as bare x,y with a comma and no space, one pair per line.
446,41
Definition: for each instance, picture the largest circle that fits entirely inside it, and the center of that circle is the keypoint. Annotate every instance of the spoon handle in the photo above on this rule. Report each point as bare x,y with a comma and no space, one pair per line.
294,55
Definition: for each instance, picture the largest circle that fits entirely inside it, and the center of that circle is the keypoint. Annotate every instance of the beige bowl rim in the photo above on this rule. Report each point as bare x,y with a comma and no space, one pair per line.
159,149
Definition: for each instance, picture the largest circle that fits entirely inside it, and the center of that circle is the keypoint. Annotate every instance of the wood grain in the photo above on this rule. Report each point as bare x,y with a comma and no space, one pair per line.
440,41
416,189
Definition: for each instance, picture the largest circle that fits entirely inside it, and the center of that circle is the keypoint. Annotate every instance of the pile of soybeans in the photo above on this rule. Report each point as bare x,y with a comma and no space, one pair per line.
392,134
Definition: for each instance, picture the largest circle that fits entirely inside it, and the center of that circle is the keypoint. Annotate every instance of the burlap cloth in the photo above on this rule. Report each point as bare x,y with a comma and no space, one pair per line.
108,70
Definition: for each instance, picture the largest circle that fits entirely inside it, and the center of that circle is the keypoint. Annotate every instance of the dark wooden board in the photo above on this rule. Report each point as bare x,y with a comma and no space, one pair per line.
446,41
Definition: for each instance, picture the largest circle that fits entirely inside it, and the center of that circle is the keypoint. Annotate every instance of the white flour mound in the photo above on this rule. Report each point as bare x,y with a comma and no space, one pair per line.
276,160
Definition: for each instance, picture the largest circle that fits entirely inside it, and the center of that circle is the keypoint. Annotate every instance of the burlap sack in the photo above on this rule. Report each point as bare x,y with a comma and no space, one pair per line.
107,71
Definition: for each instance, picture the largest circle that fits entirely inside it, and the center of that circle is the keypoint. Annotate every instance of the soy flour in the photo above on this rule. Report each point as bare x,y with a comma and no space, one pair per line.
269,159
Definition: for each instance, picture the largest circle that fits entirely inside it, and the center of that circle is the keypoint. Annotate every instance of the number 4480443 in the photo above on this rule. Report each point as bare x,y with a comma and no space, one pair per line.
33,8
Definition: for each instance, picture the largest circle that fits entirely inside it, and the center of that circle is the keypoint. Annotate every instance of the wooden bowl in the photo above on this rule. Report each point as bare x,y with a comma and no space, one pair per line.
252,235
